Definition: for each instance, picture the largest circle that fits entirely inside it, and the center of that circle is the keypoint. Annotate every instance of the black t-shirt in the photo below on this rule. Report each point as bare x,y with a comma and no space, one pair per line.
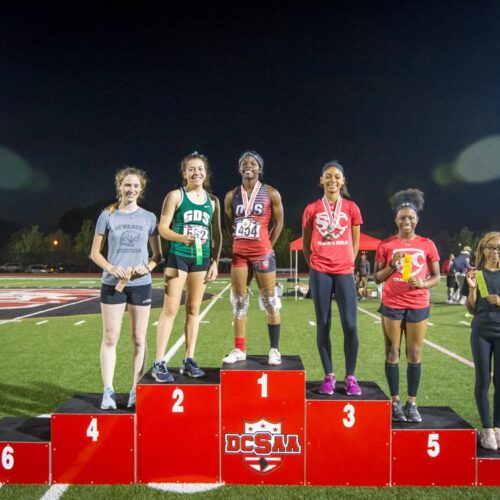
487,316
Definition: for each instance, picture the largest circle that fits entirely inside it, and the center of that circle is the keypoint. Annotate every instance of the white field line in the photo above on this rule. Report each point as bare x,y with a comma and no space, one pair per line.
432,344
42,322
186,488
55,492
430,324
47,310
78,323
206,322
171,353
312,323
155,323
464,323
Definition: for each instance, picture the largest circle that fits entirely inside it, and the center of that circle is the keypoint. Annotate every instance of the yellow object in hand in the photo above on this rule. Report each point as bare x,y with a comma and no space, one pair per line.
481,284
406,267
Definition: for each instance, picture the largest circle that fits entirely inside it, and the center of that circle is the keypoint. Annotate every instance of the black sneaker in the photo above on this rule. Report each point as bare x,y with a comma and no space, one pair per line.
190,368
411,411
160,372
398,412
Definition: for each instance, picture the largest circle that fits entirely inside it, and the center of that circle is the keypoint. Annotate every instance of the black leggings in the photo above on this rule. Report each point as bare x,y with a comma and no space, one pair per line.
322,286
484,349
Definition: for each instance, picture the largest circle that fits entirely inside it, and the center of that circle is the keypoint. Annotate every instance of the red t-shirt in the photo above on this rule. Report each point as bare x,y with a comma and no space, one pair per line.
397,293
335,255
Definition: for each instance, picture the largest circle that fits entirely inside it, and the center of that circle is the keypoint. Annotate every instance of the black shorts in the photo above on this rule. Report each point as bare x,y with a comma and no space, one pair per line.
407,315
133,295
450,281
187,264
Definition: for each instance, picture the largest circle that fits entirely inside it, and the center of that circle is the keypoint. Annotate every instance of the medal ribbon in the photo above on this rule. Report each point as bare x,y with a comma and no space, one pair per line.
332,218
481,284
406,267
248,203
199,251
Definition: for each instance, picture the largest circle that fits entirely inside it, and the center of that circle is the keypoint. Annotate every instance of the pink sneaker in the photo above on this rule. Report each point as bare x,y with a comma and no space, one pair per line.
328,385
351,386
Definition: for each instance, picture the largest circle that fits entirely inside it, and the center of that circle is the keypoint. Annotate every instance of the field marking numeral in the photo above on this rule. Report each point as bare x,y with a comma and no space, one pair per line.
433,448
8,457
178,395
92,431
262,381
349,420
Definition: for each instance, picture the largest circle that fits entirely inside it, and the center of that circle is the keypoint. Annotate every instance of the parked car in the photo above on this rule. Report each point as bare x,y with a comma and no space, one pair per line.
10,268
66,267
37,268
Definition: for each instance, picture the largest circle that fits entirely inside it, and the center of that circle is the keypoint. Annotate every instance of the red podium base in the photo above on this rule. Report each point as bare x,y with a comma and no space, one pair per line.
439,451
24,450
178,429
263,421
93,446
348,437
488,467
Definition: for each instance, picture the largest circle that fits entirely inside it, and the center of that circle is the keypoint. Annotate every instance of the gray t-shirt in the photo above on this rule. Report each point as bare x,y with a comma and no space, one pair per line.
128,235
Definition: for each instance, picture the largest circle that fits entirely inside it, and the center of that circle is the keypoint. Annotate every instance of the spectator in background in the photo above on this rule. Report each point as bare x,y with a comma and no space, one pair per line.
362,272
447,270
460,267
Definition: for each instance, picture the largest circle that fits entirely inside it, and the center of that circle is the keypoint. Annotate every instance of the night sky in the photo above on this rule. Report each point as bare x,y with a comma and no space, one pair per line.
403,94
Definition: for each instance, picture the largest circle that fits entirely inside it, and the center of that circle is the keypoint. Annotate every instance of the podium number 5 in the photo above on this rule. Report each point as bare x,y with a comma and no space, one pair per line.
92,431
433,447
349,420
8,457
178,395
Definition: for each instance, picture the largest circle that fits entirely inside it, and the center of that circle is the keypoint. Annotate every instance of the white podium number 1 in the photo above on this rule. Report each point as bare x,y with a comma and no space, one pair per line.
262,381
92,431
433,447
178,395
349,420
8,457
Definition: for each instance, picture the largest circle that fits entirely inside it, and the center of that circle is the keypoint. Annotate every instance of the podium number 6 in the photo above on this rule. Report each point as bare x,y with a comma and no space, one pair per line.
262,381
349,420
92,431
8,457
433,447
178,395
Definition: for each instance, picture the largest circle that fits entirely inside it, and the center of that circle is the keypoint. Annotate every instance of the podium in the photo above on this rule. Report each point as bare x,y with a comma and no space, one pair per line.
93,446
488,467
439,451
24,450
178,429
348,437
263,421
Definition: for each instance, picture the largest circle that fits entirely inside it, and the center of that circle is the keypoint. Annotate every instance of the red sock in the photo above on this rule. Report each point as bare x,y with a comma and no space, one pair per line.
240,343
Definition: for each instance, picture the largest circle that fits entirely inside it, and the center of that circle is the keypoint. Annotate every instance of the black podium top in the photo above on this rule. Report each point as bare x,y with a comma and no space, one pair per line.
435,417
370,391
90,402
259,363
212,377
25,429
483,453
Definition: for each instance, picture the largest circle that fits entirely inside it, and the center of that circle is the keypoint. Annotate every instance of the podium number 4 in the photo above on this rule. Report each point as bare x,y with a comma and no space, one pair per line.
92,431
433,447
8,457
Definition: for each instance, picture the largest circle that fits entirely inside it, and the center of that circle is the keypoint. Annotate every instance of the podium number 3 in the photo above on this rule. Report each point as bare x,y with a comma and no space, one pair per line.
433,447
8,457
92,431
262,381
178,395
349,420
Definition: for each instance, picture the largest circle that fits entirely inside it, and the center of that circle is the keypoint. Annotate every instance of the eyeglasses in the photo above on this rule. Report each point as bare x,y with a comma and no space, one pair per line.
492,249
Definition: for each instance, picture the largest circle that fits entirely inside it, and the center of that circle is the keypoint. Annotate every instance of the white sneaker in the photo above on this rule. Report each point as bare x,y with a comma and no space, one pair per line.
488,440
235,355
131,398
497,436
274,357
108,399
463,301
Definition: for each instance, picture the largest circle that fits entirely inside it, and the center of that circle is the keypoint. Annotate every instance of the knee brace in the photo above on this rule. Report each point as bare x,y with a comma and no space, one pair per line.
240,304
271,305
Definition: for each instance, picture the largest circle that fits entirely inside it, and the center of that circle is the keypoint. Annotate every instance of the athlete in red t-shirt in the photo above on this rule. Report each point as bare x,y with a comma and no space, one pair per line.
330,228
250,209
408,265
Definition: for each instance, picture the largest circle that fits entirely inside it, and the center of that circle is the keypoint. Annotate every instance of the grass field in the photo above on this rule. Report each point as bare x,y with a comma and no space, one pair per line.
45,360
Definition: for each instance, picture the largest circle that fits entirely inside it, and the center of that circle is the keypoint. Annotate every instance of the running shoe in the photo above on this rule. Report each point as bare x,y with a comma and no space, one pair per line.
235,355
411,411
191,369
328,385
131,398
488,440
497,436
351,386
398,412
160,372
274,357
108,399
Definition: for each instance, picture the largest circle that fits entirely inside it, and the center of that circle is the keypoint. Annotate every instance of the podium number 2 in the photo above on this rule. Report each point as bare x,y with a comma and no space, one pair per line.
262,381
349,420
8,457
92,431
433,447
178,395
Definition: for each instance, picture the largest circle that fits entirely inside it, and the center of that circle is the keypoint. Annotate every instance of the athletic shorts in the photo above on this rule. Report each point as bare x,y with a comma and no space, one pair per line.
407,315
187,264
450,281
133,295
262,264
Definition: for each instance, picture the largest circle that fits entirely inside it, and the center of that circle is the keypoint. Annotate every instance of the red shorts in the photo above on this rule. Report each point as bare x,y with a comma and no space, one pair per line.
263,264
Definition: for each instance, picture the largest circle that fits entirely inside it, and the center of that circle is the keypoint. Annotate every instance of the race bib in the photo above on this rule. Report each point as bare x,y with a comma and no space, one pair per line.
248,229
197,231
